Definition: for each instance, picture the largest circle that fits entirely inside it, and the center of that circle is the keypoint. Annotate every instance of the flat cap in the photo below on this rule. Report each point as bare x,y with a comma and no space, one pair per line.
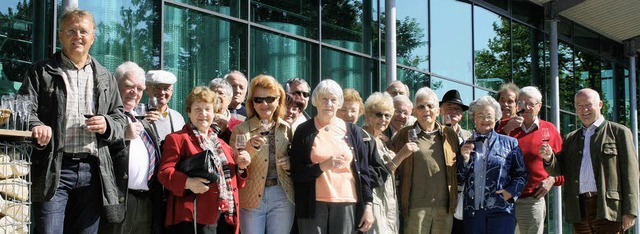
160,77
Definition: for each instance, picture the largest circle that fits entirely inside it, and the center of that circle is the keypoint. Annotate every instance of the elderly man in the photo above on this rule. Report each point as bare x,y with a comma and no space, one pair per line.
401,115
533,133
396,88
136,161
224,120
77,113
427,209
165,119
600,162
300,88
238,82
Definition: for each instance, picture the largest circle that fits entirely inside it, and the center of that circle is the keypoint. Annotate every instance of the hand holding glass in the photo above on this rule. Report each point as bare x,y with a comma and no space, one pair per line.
545,135
521,108
141,111
241,142
413,135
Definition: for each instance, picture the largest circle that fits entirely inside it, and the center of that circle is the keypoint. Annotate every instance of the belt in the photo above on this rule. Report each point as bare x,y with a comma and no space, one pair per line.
76,156
588,194
271,182
139,192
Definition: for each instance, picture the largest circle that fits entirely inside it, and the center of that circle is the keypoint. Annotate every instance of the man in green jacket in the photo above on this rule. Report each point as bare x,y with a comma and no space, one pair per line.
600,166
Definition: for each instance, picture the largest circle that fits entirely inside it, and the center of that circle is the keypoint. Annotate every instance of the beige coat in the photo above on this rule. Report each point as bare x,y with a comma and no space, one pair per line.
251,194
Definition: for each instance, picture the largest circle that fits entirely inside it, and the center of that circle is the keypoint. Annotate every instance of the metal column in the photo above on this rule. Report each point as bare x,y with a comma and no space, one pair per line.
555,114
69,4
634,107
390,40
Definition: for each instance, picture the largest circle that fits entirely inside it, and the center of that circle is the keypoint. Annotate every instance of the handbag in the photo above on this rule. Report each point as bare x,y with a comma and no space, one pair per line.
200,165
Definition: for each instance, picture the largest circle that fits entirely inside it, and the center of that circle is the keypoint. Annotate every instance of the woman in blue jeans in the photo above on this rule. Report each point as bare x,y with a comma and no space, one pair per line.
266,201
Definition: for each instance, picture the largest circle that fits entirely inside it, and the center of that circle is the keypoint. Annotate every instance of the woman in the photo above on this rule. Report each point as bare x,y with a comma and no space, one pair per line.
223,118
493,173
295,106
352,108
211,200
267,198
378,112
329,169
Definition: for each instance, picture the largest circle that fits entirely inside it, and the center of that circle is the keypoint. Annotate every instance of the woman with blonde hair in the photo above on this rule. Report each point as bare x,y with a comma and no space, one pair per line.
267,198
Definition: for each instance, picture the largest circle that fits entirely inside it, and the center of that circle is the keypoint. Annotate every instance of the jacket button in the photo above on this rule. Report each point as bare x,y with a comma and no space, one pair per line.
265,160
125,176
121,199
259,195
235,189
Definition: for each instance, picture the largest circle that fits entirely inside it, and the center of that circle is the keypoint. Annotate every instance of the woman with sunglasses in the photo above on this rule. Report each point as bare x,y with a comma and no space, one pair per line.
267,199
330,169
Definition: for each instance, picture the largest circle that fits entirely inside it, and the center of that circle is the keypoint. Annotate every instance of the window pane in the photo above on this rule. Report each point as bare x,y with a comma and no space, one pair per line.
608,93
441,86
412,28
235,8
566,76
492,42
348,24
348,70
283,58
412,78
16,29
198,48
451,51
299,17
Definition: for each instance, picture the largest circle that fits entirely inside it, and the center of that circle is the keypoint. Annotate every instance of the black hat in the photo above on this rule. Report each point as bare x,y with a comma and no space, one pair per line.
453,96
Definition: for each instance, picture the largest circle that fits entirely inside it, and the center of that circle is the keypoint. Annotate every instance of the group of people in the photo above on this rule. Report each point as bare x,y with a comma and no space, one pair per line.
101,165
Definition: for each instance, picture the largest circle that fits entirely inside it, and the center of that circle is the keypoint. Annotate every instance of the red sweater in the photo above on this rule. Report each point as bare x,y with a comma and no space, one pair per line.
530,145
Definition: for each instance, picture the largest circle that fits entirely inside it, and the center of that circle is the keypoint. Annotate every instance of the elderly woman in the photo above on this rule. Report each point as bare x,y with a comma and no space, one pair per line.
267,198
352,108
223,118
378,112
329,169
194,199
492,170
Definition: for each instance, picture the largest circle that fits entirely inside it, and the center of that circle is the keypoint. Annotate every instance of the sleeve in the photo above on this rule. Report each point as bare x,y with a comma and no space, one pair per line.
518,172
115,116
302,170
377,169
168,176
628,165
363,164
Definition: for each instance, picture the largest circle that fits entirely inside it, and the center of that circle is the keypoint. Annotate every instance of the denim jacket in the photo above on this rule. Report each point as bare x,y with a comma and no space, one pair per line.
505,169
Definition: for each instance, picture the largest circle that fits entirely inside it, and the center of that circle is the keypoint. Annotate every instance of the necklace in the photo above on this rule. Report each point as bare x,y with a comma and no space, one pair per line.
326,129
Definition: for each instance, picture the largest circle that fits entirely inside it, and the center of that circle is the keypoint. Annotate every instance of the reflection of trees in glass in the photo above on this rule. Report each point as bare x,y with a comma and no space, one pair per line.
493,65
302,13
15,40
342,20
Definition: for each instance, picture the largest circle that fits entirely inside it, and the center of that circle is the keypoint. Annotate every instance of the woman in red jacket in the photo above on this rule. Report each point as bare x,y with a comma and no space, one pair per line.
213,200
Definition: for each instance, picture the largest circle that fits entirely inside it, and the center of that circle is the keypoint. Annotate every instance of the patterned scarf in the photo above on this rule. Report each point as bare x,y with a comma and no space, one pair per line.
225,199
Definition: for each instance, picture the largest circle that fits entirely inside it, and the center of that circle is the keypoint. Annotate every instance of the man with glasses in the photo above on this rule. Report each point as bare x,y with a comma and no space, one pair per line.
238,82
299,87
77,114
533,133
401,115
166,120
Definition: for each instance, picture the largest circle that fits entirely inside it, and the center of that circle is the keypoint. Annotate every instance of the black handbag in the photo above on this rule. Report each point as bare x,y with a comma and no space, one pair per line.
199,165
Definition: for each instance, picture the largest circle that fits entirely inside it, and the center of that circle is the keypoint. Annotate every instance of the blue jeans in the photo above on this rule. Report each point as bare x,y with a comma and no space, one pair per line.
274,215
77,202
484,222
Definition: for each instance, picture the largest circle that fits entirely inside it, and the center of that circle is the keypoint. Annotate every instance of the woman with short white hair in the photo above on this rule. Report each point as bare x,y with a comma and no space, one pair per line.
492,170
329,169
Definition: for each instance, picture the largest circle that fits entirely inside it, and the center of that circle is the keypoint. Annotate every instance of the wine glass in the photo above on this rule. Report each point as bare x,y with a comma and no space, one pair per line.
241,142
413,135
9,104
545,135
152,105
264,127
90,109
521,108
140,110
447,120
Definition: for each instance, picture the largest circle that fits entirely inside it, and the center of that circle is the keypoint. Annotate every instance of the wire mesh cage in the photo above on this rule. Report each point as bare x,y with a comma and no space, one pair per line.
15,185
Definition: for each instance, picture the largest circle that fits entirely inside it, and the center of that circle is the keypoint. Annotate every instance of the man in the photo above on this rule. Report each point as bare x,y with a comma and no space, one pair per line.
224,120
77,113
300,88
427,209
401,115
452,108
239,83
136,162
530,206
396,88
600,163
507,96
165,119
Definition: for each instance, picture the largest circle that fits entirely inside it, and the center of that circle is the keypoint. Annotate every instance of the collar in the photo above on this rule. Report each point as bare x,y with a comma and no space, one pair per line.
68,64
596,124
254,123
534,125
436,128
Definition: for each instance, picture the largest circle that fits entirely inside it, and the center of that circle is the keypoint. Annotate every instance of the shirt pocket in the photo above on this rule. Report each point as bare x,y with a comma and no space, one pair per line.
609,151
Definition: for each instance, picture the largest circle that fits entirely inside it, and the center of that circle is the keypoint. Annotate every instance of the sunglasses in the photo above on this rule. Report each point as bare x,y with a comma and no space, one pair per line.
380,115
301,93
269,99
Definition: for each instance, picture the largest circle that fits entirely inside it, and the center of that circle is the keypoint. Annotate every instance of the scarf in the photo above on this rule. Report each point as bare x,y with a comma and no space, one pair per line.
225,199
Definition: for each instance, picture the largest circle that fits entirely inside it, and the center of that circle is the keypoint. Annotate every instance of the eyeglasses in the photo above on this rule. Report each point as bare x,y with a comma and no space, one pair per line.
531,104
269,99
482,117
73,32
380,115
302,93
160,88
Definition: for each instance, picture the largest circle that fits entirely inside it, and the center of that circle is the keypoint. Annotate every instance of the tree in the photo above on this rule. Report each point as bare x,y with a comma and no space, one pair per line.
15,40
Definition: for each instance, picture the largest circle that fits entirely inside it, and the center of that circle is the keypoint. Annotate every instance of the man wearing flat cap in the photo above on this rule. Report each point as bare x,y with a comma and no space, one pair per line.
160,85
451,108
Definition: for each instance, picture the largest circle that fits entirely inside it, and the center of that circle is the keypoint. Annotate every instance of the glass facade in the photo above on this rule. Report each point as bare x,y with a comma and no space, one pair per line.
473,46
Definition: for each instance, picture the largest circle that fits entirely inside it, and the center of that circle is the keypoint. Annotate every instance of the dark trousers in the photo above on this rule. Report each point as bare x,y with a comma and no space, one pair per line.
77,203
137,219
589,224
330,218
495,223
458,226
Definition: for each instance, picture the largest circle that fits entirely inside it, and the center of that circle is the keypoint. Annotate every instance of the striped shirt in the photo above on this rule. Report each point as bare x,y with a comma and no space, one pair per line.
587,178
79,86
